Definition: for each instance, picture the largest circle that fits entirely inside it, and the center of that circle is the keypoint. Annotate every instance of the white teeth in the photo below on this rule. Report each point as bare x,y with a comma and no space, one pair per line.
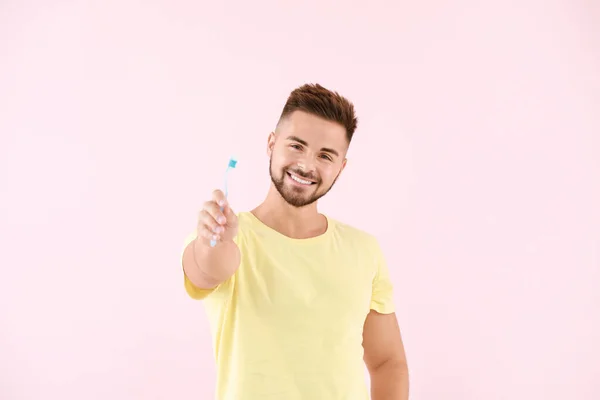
302,181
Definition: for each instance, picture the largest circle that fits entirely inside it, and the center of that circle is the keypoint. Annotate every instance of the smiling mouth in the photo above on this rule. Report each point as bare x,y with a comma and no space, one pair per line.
299,180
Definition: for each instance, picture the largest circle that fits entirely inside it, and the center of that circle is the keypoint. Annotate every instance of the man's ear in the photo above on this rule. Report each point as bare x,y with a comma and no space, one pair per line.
343,164
342,168
270,143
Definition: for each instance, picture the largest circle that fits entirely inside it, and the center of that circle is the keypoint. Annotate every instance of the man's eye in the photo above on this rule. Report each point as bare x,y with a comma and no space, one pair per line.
325,156
297,146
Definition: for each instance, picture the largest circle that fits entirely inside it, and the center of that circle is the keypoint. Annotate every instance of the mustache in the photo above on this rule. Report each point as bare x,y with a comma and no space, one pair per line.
301,174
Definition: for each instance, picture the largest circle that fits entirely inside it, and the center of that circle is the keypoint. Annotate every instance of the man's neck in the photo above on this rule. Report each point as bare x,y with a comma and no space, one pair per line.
295,222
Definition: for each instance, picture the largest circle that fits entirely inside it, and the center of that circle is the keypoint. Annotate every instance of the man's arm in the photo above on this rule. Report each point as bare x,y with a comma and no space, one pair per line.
385,357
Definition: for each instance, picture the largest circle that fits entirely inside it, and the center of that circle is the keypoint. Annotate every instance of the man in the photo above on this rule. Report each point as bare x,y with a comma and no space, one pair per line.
298,302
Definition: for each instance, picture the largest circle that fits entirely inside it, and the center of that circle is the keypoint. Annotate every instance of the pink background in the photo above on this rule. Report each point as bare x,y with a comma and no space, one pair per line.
476,163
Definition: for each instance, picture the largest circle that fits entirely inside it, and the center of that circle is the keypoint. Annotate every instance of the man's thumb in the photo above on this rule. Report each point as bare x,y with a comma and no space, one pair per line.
229,213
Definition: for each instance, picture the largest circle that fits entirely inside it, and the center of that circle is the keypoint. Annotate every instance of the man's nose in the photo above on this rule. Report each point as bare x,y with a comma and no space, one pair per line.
306,165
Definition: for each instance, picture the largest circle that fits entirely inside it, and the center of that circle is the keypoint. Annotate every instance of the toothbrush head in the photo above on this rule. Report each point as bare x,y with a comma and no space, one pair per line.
232,162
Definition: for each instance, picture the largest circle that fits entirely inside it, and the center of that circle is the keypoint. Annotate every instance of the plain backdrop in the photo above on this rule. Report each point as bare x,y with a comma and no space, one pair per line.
476,164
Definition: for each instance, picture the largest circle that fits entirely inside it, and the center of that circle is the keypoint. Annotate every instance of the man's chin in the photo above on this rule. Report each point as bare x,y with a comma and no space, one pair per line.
298,201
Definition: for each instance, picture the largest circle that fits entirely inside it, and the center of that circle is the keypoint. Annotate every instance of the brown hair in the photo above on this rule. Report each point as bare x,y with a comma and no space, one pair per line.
319,101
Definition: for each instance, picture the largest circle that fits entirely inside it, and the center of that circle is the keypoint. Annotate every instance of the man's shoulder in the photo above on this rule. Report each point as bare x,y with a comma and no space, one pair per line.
353,233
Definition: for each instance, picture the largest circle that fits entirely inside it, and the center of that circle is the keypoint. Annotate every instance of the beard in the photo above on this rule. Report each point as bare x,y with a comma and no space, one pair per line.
298,197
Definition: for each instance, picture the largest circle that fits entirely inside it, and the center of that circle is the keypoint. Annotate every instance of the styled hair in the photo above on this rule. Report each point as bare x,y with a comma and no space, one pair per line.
317,100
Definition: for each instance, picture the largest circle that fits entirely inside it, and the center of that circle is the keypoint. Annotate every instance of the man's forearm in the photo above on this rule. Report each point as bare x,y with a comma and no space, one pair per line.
206,266
389,382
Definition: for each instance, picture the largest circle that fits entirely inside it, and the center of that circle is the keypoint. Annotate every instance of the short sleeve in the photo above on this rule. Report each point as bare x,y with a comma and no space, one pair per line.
382,298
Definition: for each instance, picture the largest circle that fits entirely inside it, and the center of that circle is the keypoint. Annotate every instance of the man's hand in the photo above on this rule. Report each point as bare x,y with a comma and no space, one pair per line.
206,267
216,220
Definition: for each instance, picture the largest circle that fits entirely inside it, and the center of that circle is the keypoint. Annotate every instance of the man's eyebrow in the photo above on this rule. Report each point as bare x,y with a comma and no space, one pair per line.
297,139
305,143
328,150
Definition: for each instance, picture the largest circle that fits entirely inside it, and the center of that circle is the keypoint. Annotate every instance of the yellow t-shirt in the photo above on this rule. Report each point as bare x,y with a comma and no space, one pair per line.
288,324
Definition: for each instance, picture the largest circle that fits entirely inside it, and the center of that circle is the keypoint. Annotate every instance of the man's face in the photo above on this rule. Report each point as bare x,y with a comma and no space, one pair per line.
307,154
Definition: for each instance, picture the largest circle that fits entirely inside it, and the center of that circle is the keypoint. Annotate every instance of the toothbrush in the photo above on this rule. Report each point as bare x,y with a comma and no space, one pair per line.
231,165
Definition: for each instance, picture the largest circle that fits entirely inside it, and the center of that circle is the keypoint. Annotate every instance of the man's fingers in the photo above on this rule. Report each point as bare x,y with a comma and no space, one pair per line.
219,197
207,234
207,221
217,220
215,211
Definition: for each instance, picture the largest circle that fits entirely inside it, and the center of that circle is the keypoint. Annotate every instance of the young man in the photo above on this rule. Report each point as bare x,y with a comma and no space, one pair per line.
298,303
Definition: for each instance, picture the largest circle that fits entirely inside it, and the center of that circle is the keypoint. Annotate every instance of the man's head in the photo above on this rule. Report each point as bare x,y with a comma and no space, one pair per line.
308,148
